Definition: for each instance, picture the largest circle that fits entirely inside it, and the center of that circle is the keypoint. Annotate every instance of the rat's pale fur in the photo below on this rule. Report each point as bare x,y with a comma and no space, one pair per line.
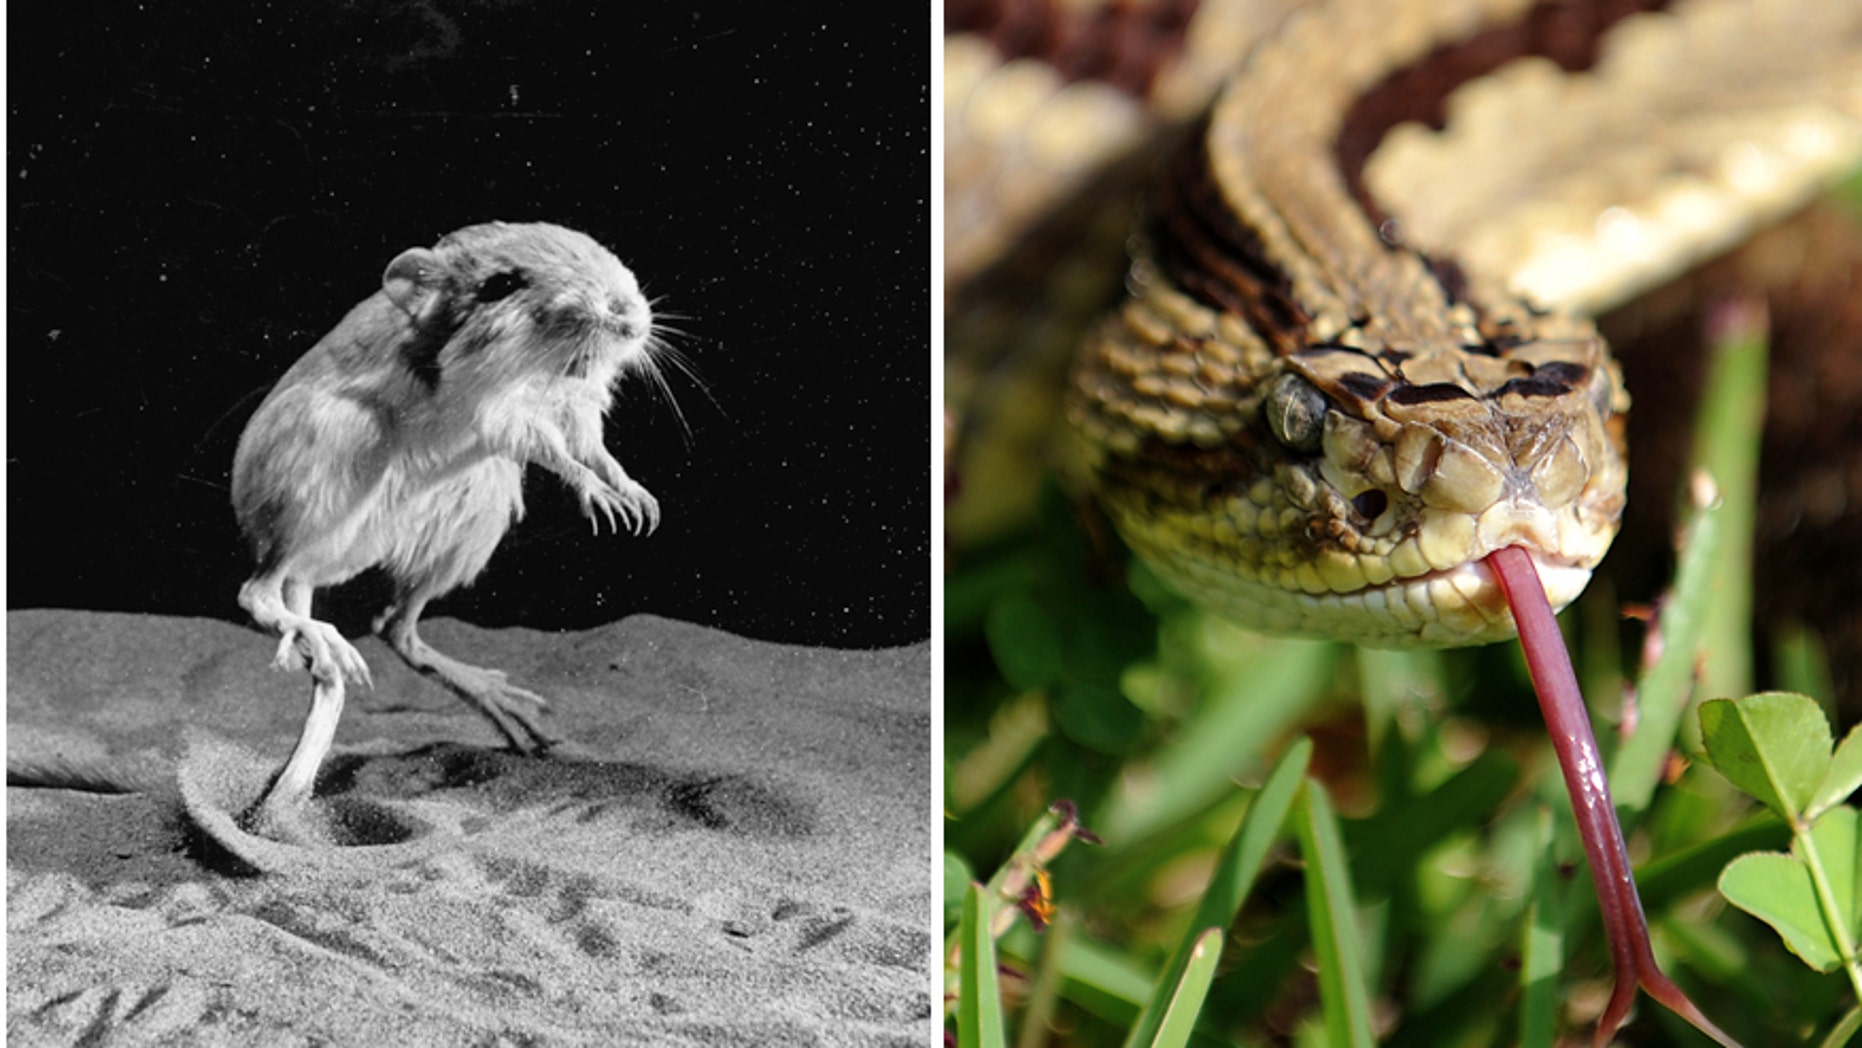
400,440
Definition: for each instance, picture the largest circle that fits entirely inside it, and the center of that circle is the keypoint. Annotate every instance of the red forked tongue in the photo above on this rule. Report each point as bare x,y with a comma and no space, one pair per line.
1569,723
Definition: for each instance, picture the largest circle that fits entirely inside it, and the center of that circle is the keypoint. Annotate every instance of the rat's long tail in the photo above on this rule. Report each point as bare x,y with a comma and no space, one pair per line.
112,775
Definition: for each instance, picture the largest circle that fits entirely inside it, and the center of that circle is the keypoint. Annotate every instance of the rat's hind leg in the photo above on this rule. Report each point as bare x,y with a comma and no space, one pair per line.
516,711
281,603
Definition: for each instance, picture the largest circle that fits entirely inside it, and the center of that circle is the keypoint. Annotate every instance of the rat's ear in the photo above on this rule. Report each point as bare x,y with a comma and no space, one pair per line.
414,281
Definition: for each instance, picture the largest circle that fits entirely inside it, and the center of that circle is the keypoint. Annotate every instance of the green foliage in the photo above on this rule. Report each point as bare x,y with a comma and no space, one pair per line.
1333,914
1240,863
1174,999
979,1010
1776,747
1186,996
1781,890
1382,838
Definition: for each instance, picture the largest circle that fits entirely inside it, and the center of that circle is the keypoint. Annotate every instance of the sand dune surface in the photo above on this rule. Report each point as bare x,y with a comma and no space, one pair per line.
732,848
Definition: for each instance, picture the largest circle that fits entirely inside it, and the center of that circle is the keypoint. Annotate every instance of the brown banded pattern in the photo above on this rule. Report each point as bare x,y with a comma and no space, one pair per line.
1315,430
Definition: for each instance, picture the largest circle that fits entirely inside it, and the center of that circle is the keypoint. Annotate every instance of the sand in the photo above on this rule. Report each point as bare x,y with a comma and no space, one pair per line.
734,848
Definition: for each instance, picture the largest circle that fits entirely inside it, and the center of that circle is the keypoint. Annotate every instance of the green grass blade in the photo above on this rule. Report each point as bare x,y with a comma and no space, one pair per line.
1019,860
1104,982
1256,689
1801,664
1343,991
1726,447
1186,997
1844,1030
1542,956
979,1001
1235,873
1710,608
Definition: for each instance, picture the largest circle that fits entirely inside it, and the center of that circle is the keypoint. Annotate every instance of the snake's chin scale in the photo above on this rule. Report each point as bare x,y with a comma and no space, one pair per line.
1461,606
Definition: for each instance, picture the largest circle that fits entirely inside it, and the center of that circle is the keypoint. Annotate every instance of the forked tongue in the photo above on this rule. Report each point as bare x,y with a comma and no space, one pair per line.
1569,723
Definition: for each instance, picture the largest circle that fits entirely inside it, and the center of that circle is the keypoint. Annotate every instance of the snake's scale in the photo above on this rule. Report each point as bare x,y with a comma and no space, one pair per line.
1356,350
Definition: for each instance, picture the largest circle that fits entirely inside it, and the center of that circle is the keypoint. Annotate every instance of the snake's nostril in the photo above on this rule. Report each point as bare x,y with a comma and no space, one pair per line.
1371,504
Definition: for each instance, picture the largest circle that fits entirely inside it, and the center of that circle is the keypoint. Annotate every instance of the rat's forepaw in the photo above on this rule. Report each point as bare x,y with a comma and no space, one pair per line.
631,504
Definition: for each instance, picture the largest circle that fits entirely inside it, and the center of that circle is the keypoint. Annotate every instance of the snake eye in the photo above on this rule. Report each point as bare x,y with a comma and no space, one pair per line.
1295,412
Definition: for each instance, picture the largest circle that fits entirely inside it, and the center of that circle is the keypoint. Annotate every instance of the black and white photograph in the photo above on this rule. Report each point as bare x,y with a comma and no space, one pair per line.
469,495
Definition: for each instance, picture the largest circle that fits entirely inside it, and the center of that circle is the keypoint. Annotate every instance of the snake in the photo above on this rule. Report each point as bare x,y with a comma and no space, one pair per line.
1342,345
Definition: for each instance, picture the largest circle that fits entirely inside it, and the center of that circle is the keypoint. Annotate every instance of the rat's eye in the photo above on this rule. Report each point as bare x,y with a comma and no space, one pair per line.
501,285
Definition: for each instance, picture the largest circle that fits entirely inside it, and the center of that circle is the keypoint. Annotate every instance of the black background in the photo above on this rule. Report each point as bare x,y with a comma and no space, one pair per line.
198,192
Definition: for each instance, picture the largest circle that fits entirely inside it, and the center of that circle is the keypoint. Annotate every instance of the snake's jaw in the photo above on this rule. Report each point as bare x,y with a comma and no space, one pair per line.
1462,476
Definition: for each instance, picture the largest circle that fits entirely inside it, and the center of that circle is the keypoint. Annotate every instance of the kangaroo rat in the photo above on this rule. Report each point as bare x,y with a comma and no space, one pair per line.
400,440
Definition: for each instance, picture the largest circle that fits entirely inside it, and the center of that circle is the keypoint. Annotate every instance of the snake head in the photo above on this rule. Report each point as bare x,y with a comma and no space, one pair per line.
1344,492
1428,462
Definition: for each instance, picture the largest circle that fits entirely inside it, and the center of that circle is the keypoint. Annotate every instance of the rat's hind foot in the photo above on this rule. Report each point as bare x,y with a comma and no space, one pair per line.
518,712
324,650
